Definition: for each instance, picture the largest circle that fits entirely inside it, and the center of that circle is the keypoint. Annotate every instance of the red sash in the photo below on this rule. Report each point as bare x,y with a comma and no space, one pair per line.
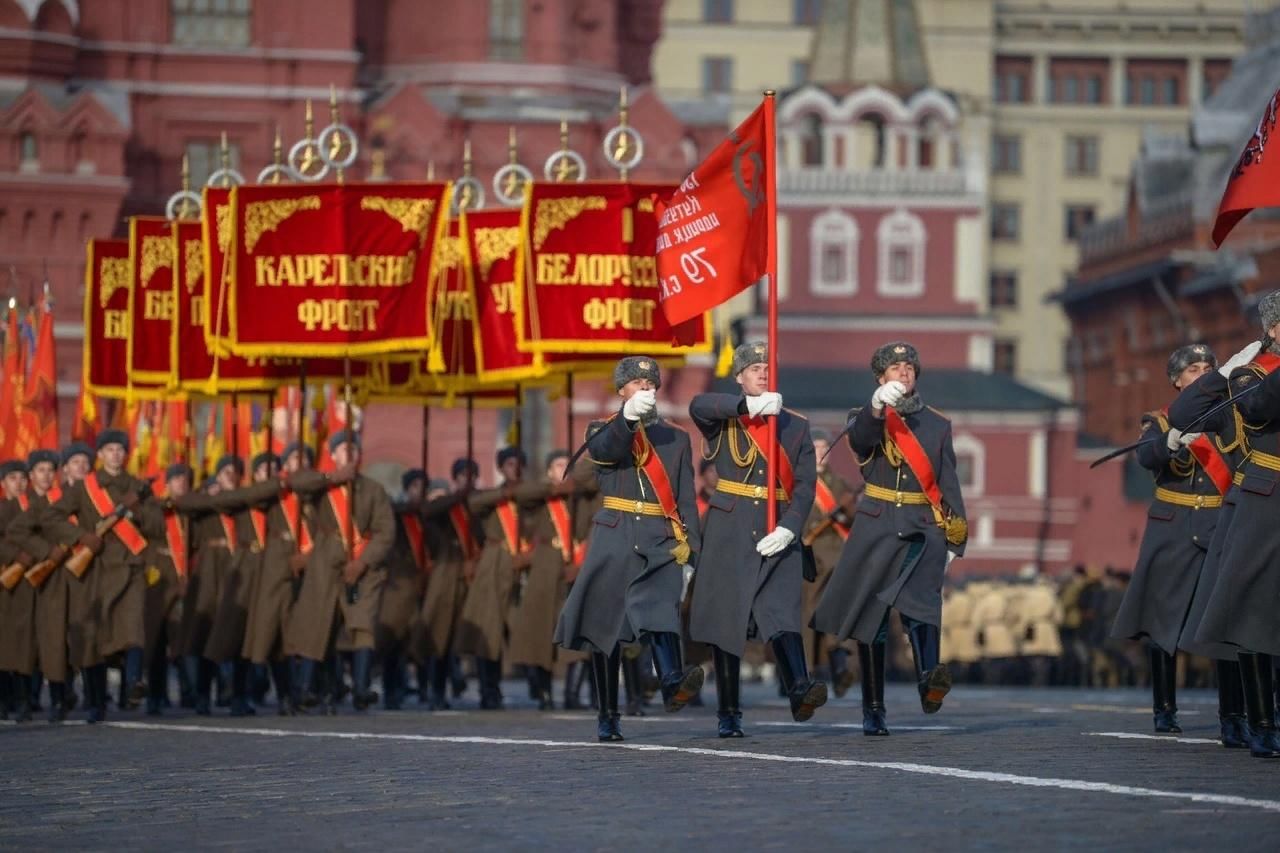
461,522
54,495
24,501
758,429
1210,459
259,519
229,530
417,542
652,466
826,501
703,505
340,503
176,535
292,509
509,518
124,529
913,453
1267,361
573,552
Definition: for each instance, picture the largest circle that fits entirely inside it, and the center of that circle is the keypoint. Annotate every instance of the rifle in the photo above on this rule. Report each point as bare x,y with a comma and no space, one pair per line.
78,558
11,575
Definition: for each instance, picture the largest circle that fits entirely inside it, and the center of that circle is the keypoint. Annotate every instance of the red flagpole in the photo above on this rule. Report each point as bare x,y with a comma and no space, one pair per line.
771,213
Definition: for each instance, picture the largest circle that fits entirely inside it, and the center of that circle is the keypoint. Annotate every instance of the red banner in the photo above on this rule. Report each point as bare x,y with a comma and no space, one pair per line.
151,264
39,419
330,270
106,318
590,281
494,243
713,236
1254,179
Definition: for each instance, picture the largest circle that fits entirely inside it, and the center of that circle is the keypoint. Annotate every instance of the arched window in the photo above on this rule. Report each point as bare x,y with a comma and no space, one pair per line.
929,142
813,150
971,462
900,239
833,259
869,142
28,148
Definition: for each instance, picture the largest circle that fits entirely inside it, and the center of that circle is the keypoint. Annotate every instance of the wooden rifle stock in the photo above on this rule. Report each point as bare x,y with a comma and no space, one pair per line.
77,559
12,575
812,536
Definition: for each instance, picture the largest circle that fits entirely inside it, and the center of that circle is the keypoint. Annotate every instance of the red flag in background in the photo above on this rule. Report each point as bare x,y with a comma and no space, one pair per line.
713,231
11,385
39,418
1254,180
88,418
334,423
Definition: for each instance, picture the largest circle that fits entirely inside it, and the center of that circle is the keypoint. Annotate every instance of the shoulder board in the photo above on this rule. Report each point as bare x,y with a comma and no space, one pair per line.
1256,369
938,413
597,425
1158,417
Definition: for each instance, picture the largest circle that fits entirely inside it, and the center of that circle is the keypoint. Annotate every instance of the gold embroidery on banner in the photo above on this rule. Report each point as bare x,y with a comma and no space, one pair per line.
222,216
193,260
493,245
114,276
448,254
157,252
263,216
413,214
645,205
555,213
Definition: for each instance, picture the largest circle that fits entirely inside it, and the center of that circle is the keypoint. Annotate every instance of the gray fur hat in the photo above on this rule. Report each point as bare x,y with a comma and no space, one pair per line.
1184,357
1269,310
754,352
636,367
892,353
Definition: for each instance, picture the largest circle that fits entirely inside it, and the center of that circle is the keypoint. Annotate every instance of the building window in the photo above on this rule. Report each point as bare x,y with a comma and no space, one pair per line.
900,239
506,29
1012,79
1215,71
1005,357
1082,155
804,13
1077,217
717,75
218,23
1093,90
971,461
811,152
1003,287
717,11
28,148
799,72
1004,221
1171,91
1006,154
205,157
833,240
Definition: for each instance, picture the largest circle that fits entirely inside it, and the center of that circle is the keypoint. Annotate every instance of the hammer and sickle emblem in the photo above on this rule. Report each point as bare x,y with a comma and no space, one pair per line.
748,167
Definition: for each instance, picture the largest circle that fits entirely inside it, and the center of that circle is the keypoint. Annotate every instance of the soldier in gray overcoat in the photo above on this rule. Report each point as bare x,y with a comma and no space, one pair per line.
631,580
750,577
907,523
1192,472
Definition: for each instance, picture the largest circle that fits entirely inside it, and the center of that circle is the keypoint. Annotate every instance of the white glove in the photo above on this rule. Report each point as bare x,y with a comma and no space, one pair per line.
889,394
767,403
775,543
1188,437
1241,358
640,404
951,555
1174,439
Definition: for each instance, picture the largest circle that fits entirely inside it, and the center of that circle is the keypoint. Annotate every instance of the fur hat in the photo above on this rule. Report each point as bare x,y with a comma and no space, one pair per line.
636,367
113,436
38,456
1269,310
230,460
1184,357
892,353
265,458
12,466
298,447
460,465
178,469
413,475
511,453
342,437
755,352
76,448
559,453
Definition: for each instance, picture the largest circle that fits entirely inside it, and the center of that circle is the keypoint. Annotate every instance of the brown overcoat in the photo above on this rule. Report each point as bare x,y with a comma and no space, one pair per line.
162,608
447,586
18,605
273,584
402,594
28,533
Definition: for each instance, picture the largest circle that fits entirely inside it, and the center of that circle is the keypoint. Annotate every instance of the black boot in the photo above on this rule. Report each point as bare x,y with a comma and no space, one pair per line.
679,683
197,677
933,679
21,697
305,695
1235,729
57,702
37,683
186,689
284,688
241,687
605,670
361,672
157,683
438,677
631,681
1259,703
541,678
728,692
871,662
573,686
806,694
490,673
841,677
1164,704
392,682
96,687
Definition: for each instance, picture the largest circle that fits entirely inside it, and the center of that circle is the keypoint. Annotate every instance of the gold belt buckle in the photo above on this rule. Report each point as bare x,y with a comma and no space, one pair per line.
555,542
759,492
639,507
1199,501
897,496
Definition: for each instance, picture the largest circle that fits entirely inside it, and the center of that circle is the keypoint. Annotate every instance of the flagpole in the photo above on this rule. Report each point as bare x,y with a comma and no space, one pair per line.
771,214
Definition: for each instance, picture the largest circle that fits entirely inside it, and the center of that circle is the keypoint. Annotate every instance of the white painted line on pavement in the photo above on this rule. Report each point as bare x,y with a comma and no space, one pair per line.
1127,709
1170,738
903,767
895,727
647,718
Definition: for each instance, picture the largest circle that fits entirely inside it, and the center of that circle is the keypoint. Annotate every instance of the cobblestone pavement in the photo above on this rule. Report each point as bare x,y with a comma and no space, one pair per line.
997,769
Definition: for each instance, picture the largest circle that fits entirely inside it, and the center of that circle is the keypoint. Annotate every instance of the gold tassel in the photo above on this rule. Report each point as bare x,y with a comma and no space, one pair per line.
435,360
725,363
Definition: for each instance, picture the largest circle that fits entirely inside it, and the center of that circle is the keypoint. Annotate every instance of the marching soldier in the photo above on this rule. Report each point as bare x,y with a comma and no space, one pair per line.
825,533
631,580
108,600
558,532
455,540
30,534
167,562
909,519
505,516
17,606
749,578
354,529
1192,472
407,569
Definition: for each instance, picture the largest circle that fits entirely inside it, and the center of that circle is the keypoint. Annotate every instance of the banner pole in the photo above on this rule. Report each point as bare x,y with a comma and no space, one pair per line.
771,214
302,414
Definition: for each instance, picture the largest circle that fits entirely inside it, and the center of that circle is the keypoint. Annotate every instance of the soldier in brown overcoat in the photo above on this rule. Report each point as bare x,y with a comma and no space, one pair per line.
354,530
168,558
17,606
407,567
114,586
